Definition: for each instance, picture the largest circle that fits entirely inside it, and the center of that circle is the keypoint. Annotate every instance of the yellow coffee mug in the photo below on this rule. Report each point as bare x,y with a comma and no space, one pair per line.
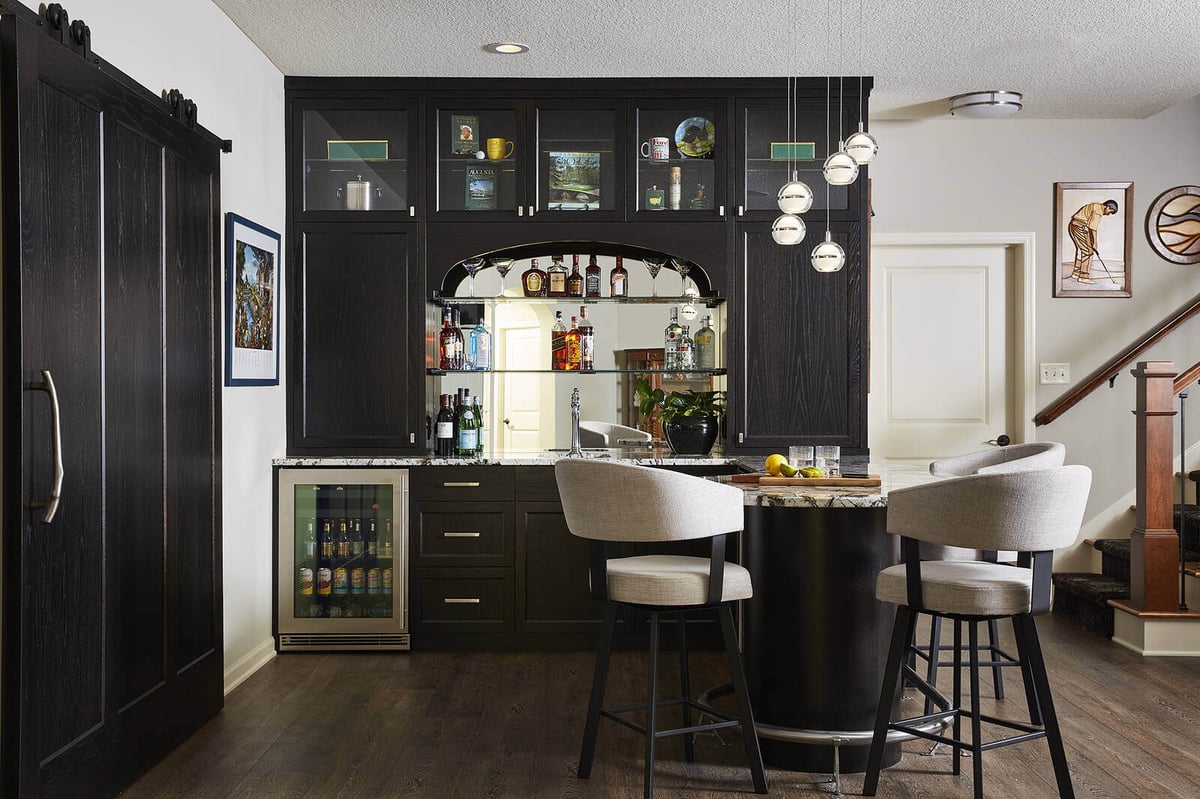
499,149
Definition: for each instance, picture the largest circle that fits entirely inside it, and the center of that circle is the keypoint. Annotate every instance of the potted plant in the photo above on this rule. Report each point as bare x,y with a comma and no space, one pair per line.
691,420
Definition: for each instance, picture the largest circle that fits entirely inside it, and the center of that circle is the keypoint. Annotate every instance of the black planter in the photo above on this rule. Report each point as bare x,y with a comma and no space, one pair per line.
691,435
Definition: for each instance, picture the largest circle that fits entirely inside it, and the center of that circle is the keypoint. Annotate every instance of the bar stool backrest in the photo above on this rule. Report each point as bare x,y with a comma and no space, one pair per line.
1026,511
606,501
1013,458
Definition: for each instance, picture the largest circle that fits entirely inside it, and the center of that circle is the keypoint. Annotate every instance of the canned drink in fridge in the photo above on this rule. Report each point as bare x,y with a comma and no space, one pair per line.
358,580
341,580
324,581
387,581
373,581
335,611
305,580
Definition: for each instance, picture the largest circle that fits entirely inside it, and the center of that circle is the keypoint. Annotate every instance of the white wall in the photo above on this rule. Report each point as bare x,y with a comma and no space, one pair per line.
194,47
956,175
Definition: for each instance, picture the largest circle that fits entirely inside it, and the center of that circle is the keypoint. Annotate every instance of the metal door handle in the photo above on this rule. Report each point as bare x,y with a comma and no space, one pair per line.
460,535
741,210
461,600
531,210
51,503
520,210
412,210
721,212
474,484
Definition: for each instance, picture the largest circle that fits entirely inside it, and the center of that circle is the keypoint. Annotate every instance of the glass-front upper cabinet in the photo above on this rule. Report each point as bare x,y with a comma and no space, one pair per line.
580,159
681,151
480,160
767,155
357,158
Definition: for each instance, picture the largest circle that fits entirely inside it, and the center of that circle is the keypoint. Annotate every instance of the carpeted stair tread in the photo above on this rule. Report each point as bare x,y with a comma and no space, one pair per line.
1082,598
1116,547
1096,587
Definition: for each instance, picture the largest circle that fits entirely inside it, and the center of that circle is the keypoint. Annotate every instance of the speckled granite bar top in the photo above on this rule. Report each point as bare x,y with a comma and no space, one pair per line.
643,457
893,474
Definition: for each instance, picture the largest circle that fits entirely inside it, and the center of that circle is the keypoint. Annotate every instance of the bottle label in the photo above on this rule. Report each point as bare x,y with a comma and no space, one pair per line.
445,429
533,283
558,282
483,352
618,285
467,439
593,286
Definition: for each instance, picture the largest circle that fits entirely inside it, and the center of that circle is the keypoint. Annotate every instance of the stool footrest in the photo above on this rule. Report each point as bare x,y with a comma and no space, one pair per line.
715,725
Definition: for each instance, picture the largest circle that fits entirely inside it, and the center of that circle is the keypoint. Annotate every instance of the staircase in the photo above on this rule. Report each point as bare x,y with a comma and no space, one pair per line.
1082,597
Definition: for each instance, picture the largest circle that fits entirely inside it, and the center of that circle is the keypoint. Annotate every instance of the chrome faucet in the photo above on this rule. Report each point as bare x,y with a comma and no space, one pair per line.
576,450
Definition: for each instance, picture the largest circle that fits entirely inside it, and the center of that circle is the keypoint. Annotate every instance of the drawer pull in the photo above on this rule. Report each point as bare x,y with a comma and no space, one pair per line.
461,600
460,535
473,484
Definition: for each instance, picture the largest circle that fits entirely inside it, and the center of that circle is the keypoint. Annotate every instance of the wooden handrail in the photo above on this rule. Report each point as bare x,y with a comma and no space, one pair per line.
1118,362
1188,377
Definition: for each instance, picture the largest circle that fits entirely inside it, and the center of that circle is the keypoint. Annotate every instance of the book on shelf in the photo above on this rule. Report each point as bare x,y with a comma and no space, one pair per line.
573,181
480,189
464,134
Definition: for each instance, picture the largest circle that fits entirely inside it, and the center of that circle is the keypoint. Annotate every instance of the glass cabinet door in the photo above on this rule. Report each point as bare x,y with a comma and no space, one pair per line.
767,156
480,164
680,156
357,159
580,162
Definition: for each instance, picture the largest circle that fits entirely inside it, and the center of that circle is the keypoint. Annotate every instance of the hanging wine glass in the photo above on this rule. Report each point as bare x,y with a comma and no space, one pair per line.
654,265
502,266
683,267
472,265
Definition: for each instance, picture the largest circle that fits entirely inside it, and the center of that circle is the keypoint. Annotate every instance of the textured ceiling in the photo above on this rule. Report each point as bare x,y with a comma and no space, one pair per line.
1103,58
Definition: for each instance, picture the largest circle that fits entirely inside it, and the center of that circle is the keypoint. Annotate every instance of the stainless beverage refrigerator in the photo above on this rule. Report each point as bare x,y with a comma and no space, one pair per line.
341,569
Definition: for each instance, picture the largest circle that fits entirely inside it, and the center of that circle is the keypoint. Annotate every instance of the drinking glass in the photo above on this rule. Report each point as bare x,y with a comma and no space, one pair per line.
502,266
829,458
800,456
653,266
472,265
683,267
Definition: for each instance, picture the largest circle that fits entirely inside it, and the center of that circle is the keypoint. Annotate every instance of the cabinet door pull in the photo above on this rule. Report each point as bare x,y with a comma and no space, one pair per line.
531,210
721,210
520,210
412,210
412,438
50,504
741,210
461,600
449,534
473,484
741,438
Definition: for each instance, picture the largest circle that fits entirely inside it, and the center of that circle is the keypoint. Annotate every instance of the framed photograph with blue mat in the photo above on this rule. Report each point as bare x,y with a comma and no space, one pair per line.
252,278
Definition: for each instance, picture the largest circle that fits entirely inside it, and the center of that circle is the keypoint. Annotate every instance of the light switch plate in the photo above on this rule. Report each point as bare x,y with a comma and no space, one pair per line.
1055,373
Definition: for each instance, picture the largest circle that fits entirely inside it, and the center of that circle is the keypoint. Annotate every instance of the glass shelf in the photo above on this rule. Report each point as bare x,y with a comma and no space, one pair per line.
707,301
685,373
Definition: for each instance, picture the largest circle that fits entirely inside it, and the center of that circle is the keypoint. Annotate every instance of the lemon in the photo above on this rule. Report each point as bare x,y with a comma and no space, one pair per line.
774,462
787,470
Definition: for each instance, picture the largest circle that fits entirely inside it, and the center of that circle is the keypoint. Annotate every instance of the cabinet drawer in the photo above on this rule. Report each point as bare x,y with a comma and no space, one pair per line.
462,483
536,484
462,534
447,601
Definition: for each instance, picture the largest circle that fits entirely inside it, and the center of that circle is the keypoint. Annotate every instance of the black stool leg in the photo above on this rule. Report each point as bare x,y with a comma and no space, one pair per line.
1031,700
976,722
902,634
596,703
935,644
651,707
1032,650
956,758
993,648
742,694
685,686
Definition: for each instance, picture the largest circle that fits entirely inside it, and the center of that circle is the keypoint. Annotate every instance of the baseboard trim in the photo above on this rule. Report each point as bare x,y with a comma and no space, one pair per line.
1157,635
249,663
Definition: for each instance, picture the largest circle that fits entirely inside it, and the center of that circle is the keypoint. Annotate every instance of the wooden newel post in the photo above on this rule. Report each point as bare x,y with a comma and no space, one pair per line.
1154,545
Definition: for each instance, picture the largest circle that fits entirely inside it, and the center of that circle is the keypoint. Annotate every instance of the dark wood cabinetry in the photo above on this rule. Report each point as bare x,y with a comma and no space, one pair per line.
112,650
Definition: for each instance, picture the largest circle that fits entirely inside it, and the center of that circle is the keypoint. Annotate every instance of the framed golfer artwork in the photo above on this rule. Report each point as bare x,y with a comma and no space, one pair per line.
1093,239
252,303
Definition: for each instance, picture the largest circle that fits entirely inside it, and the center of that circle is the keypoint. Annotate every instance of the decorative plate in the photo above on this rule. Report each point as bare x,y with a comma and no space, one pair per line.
1173,225
695,137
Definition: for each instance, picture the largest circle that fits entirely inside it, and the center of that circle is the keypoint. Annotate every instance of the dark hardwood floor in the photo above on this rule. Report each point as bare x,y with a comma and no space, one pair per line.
509,725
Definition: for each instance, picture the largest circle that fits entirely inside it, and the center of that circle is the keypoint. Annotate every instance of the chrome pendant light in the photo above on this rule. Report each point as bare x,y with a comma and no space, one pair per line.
795,197
828,256
839,168
861,146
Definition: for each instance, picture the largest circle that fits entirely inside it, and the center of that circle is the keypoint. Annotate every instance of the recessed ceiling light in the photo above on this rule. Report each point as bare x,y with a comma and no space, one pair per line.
506,48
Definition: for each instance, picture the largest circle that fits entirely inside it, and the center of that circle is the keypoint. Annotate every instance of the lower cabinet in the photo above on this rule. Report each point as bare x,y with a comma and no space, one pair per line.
464,601
552,573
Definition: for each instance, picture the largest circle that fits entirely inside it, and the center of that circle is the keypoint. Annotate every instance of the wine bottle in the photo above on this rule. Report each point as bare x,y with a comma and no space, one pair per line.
444,439
468,432
478,427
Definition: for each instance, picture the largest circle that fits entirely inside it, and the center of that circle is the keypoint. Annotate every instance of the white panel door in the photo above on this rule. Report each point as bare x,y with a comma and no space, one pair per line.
940,381
523,427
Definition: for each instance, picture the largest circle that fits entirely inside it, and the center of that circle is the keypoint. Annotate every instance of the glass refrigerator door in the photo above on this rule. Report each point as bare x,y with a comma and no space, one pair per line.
342,550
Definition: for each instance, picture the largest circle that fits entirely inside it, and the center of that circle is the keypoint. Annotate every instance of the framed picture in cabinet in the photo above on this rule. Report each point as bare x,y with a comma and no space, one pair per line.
252,275
1093,241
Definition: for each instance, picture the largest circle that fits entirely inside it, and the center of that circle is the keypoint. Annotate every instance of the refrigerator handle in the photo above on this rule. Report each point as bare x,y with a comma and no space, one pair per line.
51,504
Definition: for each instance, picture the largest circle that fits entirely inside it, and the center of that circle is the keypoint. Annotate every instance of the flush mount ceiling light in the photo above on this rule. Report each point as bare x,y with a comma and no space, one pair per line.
506,48
985,105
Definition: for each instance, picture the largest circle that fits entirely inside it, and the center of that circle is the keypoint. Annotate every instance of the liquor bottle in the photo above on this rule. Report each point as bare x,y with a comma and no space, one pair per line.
706,345
356,540
328,544
618,284
533,280
478,426
556,278
671,341
674,189
446,341
371,541
481,346
444,437
575,281
460,342
385,546
310,540
467,430
587,340
558,343
591,281
686,351
573,346
343,542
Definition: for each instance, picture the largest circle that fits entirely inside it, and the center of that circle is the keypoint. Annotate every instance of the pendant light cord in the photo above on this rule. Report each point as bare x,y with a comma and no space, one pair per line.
841,79
862,23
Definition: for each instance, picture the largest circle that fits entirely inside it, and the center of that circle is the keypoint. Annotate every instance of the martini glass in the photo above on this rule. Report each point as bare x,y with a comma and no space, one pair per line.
502,266
653,266
683,267
473,265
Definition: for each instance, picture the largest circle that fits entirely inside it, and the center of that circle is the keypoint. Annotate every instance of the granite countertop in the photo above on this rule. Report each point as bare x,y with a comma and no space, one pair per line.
893,474
644,456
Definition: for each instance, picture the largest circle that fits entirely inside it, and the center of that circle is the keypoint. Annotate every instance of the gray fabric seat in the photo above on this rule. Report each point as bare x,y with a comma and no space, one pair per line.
962,586
672,580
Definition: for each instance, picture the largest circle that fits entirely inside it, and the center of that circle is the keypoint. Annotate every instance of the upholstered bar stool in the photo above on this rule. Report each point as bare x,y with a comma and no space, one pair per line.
608,502
1031,512
997,460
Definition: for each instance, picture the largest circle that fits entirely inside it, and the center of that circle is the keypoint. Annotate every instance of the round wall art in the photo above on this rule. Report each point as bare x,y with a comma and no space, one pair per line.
1173,225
